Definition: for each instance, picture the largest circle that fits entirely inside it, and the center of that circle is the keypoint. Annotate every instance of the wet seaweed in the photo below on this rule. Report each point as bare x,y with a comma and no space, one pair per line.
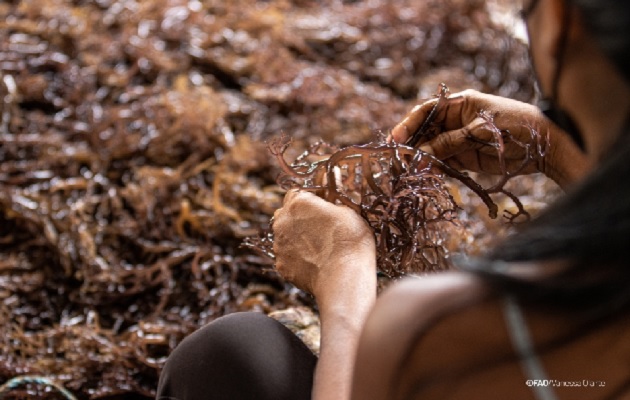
401,191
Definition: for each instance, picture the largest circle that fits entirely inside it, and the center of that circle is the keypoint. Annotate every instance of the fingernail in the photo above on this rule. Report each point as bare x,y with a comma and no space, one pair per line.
426,148
393,134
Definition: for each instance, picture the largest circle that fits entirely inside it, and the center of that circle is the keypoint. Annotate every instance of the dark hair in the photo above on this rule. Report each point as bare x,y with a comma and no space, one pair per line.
590,226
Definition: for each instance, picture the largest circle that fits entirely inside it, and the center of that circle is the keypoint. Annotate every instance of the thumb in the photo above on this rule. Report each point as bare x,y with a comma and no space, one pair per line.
290,195
412,121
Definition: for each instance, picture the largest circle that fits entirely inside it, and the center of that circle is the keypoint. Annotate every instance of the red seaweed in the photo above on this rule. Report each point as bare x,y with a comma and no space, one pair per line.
133,164
401,191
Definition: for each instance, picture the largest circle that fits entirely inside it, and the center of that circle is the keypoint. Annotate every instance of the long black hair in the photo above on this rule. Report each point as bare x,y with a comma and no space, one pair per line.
590,226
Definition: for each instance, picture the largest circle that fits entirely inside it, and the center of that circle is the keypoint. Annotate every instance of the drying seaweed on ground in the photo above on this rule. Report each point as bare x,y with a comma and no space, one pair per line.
401,191
133,164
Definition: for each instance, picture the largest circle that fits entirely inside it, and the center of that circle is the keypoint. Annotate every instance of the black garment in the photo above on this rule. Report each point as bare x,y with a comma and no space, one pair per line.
236,357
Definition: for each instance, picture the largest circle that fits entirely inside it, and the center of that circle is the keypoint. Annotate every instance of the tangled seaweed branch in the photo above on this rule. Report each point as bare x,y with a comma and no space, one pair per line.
400,191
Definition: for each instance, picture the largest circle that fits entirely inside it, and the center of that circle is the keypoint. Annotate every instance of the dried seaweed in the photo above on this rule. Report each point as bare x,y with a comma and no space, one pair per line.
132,161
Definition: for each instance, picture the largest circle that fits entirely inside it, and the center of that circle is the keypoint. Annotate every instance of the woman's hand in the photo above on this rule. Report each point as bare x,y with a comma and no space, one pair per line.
320,246
464,132
329,250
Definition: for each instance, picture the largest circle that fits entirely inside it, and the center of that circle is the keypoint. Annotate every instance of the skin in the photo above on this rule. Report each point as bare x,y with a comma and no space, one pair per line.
564,163
328,250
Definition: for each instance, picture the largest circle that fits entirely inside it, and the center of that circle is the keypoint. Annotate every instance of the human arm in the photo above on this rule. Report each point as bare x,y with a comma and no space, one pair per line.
329,251
463,132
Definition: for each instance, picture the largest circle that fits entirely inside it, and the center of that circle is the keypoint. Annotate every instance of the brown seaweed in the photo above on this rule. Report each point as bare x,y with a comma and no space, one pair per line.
400,191
132,161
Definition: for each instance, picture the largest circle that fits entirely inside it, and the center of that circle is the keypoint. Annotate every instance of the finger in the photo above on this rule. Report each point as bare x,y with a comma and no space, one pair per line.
451,143
412,121
278,215
427,149
291,194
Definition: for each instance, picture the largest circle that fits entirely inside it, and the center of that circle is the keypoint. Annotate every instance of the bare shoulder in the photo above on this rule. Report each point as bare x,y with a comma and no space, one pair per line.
446,336
433,288
402,313
415,302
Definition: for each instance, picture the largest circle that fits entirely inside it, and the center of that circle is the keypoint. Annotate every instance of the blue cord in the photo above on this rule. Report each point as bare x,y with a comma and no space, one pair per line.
40,380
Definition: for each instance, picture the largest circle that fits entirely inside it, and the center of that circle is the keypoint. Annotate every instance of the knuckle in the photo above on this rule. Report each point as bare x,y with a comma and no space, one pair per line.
443,142
416,108
278,218
469,93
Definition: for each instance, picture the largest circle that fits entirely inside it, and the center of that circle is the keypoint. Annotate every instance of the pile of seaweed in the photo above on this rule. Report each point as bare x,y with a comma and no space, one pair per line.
133,158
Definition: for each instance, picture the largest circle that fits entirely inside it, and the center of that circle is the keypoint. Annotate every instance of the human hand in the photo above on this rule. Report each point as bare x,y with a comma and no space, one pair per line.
329,251
321,247
464,136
